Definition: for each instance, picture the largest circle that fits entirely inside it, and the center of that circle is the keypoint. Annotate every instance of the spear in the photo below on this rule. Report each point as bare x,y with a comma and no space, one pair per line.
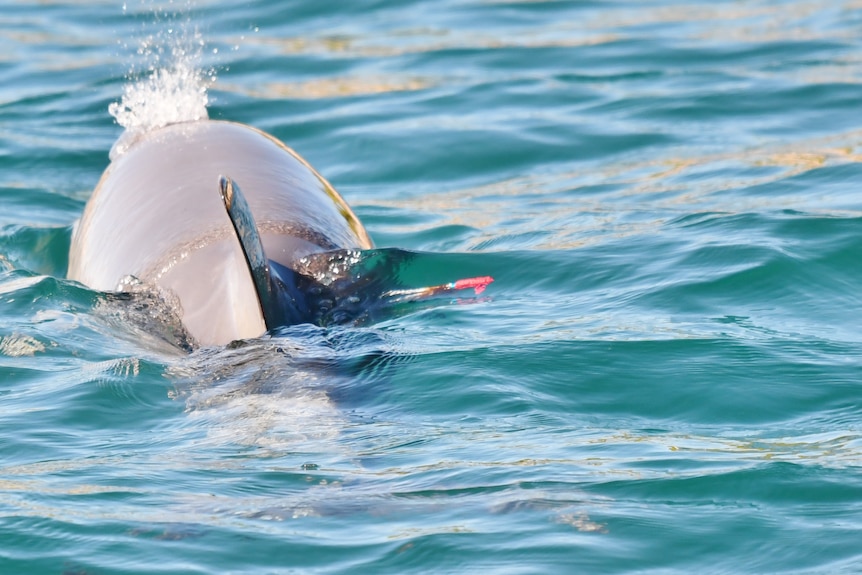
478,284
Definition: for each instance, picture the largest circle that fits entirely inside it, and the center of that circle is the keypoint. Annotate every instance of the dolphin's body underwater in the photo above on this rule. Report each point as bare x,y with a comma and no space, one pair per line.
215,217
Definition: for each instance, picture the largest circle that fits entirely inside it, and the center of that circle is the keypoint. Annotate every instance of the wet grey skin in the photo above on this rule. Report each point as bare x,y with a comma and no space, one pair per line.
214,216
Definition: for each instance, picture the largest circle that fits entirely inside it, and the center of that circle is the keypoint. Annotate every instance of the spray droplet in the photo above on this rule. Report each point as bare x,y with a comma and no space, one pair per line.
173,89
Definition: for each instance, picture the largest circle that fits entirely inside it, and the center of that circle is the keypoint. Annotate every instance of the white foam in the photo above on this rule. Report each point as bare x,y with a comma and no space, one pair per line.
168,84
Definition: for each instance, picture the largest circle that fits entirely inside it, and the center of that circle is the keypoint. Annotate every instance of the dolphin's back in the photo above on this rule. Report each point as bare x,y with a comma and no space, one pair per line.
157,216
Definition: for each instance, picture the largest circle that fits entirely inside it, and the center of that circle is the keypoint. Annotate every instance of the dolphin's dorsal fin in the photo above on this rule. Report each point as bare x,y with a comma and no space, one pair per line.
281,303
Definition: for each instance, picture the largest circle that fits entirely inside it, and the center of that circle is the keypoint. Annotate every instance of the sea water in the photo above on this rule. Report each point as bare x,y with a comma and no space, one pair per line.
665,376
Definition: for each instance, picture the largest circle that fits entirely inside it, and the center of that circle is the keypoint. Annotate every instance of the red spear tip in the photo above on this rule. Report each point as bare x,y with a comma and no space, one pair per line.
478,283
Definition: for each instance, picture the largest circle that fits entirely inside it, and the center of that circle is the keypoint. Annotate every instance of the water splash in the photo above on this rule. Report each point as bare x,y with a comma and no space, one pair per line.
167,83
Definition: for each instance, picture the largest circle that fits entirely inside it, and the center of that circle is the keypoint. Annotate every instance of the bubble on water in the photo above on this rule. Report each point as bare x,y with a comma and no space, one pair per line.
168,83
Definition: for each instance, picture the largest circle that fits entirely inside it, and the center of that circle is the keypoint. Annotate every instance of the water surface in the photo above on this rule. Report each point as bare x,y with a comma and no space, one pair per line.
664,377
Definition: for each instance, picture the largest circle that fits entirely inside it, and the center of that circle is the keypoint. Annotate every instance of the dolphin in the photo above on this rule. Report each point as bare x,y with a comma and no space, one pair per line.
217,218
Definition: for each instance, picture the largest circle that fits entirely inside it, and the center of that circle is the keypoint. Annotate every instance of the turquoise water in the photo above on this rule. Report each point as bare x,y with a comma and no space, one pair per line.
665,376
